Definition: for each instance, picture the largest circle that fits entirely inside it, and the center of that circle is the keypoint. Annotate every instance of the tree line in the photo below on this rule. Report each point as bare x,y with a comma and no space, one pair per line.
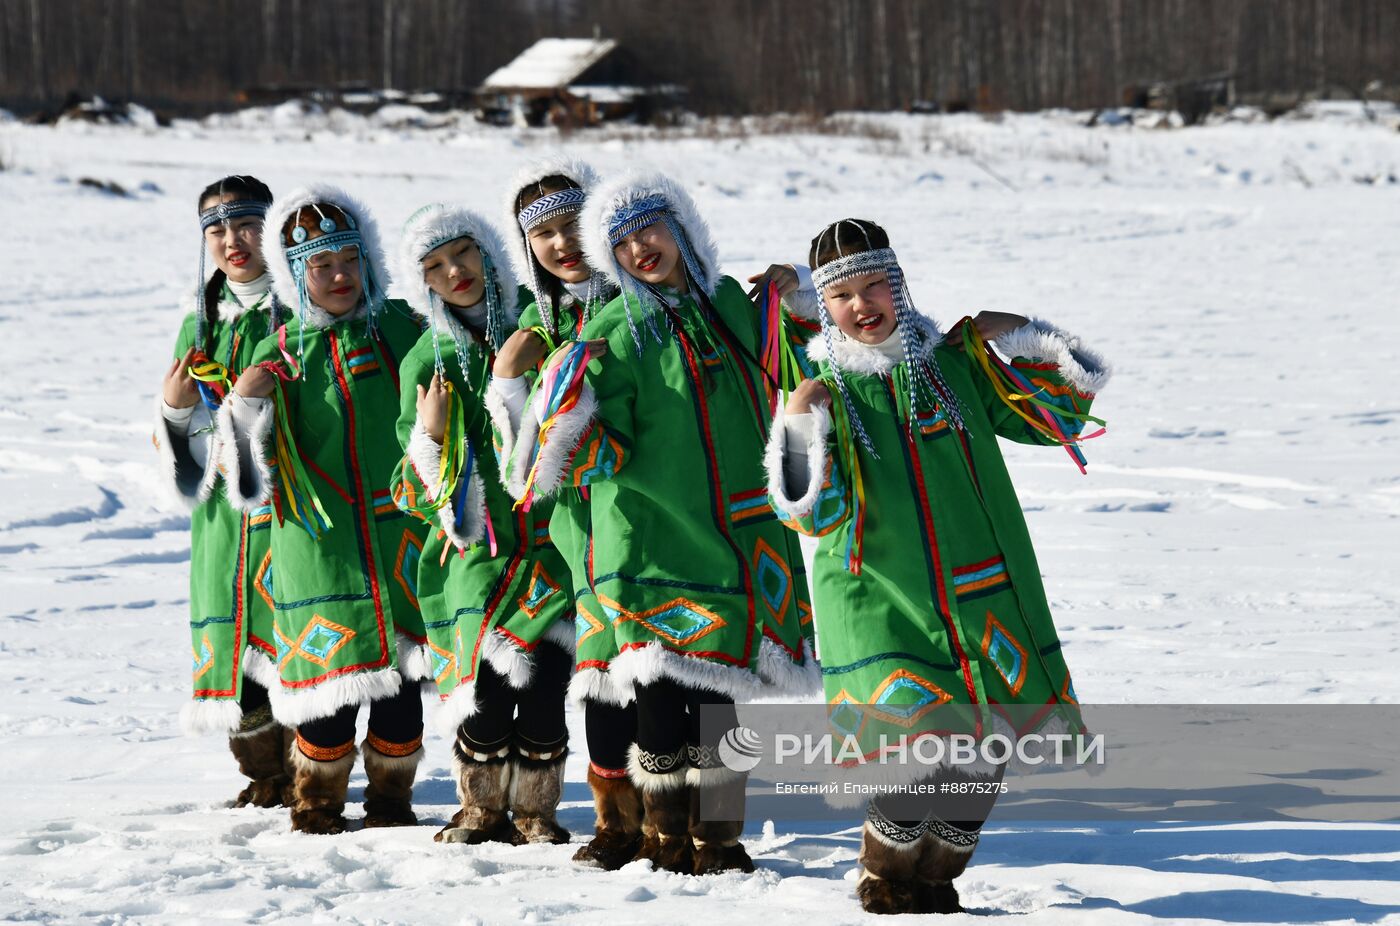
733,56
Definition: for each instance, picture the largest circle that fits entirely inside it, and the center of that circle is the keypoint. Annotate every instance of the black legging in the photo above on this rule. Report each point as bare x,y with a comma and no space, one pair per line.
532,717
668,718
971,810
396,719
611,731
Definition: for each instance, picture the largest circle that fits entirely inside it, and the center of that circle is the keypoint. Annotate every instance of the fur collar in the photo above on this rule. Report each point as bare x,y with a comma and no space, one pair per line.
608,198
275,257
854,357
522,259
434,224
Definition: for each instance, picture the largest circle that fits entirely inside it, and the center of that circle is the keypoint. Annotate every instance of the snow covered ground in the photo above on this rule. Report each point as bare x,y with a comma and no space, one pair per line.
1235,540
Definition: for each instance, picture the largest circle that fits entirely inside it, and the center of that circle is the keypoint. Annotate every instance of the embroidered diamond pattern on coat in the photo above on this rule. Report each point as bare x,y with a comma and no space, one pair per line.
905,697
1004,652
262,582
538,591
443,661
284,645
774,579
679,622
845,715
406,565
589,626
321,640
203,657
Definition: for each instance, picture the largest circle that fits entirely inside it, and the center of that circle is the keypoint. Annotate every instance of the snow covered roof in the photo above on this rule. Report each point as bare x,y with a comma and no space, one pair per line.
550,63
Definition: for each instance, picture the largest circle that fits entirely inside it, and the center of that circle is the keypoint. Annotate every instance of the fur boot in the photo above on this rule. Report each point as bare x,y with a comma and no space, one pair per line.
483,787
666,804
389,793
717,820
260,748
889,857
943,855
617,836
319,788
536,785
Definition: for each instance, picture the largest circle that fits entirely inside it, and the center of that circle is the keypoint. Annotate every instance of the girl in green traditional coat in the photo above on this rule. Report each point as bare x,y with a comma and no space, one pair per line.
929,605
230,617
702,589
345,560
494,591
542,207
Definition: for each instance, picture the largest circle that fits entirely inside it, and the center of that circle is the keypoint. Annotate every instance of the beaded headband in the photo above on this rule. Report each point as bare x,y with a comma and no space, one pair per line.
853,265
550,206
636,215
218,214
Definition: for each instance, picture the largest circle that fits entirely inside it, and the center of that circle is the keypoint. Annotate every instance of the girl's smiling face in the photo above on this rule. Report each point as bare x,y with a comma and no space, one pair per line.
556,246
333,280
455,272
235,245
651,255
862,307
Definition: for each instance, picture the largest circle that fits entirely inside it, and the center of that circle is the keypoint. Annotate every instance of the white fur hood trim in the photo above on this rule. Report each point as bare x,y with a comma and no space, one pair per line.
611,196
437,223
854,357
522,259
1039,340
284,285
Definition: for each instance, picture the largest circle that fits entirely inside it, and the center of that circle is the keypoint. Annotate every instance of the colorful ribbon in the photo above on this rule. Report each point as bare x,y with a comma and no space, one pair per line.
848,449
1054,423
561,385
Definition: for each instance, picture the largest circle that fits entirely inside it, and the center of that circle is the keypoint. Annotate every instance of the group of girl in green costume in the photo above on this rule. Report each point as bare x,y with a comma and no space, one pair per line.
595,485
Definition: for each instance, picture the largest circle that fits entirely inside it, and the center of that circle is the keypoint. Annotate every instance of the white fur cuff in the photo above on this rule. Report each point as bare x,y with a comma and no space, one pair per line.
1041,341
243,450
557,455
776,456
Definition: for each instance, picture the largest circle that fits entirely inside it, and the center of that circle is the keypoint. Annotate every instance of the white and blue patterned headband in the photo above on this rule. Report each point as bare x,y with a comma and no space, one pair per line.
925,379
331,239
631,218
550,206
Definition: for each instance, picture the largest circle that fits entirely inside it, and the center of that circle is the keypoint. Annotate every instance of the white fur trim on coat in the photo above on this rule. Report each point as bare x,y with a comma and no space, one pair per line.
594,684
439,222
775,458
522,259
610,196
506,429
561,634
415,659
425,455
783,678
295,706
855,357
1038,340
258,666
643,665
455,708
208,715
237,462
284,285
558,454
185,486
510,661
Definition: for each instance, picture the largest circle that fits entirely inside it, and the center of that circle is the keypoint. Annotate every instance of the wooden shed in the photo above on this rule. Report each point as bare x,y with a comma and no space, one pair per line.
571,82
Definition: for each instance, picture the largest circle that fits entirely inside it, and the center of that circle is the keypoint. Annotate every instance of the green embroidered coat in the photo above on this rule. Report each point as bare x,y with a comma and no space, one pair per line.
948,606
347,625
692,576
476,604
230,618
